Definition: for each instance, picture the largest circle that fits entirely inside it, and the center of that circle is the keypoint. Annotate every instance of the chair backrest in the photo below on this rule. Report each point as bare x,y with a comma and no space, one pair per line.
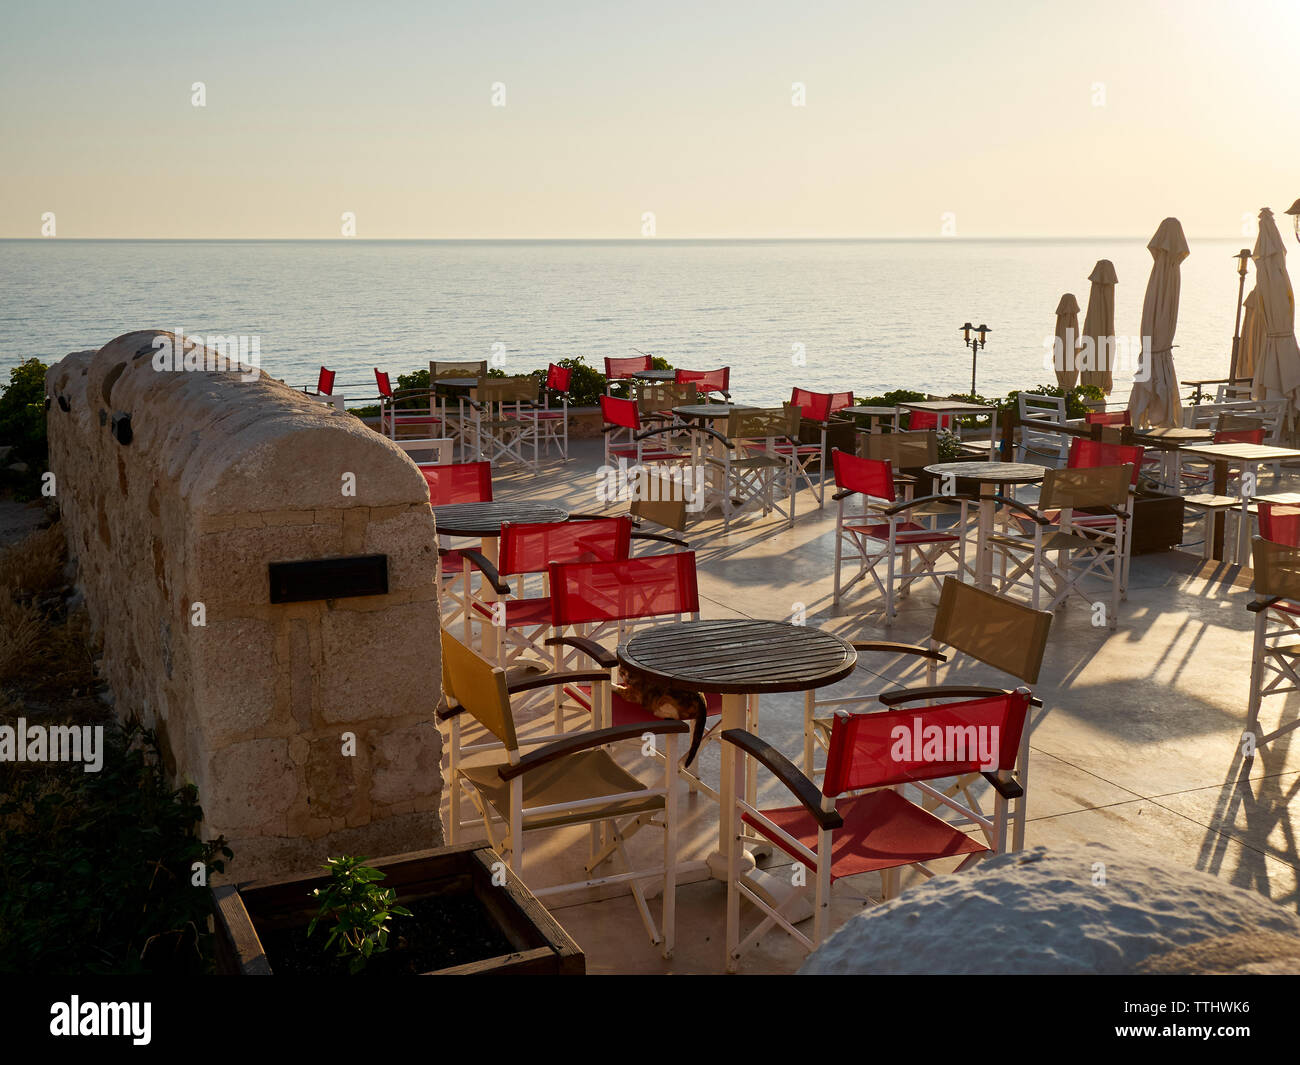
763,422
1086,486
456,371
459,482
384,384
1085,454
819,406
707,380
870,477
664,395
1277,568
558,378
925,743
480,687
1114,417
925,419
618,369
532,547
621,412
1000,632
626,589
519,389
1280,523
660,497
1043,408
1239,436
325,382
902,450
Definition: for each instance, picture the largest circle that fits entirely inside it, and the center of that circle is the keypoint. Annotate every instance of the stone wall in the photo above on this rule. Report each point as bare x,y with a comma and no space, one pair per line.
177,489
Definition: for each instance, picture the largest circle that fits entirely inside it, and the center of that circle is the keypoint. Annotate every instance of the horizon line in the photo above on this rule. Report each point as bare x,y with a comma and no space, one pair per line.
588,240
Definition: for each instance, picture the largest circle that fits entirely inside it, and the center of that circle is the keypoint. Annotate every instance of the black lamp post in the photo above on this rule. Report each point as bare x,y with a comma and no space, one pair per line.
1243,260
1294,212
974,343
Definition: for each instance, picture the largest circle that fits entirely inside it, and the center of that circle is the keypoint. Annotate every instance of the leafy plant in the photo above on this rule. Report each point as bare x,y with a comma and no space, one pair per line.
359,908
949,447
99,868
22,427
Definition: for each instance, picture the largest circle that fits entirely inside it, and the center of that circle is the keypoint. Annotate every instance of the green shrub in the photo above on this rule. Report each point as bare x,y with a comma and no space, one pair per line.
359,910
22,427
98,868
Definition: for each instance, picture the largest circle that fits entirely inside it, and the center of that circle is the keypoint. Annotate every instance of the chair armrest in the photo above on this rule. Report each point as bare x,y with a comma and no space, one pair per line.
803,789
1263,604
1008,789
843,493
900,648
907,504
486,568
1028,511
550,680
586,740
587,646
663,537
898,696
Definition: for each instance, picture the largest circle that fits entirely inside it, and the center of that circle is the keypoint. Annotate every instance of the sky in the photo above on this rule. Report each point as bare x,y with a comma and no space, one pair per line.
923,119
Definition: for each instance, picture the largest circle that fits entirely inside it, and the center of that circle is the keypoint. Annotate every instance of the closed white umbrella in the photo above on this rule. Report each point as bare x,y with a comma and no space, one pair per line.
1099,325
1277,363
1154,400
1067,339
1252,336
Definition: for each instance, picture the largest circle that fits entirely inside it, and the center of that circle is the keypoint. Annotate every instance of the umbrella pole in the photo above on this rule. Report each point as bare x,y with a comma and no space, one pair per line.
1236,329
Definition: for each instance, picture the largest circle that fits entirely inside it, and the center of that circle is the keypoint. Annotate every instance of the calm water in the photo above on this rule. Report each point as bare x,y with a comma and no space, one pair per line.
871,315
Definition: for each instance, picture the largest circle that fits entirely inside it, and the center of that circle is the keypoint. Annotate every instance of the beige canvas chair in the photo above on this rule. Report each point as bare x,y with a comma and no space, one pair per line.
747,469
452,399
505,419
1274,665
979,627
568,779
1055,557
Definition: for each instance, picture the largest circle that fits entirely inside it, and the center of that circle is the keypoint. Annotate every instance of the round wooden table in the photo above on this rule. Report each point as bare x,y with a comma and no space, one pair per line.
701,412
737,658
988,475
484,521
654,375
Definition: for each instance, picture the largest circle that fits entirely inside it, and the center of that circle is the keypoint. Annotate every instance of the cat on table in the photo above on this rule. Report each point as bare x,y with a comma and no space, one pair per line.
673,704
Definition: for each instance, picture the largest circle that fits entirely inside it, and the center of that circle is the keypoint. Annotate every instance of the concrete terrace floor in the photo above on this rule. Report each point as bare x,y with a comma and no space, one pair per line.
1137,745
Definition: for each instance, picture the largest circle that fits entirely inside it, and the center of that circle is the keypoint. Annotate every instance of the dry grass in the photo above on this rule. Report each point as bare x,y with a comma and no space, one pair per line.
22,628
34,565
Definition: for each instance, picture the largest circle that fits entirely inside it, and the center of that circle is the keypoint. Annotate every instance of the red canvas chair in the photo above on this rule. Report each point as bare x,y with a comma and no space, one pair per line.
553,422
860,821
884,531
632,441
526,552
620,371
819,408
594,601
457,482
562,781
920,420
974,631
708,382
391,418
1274,668
1112,418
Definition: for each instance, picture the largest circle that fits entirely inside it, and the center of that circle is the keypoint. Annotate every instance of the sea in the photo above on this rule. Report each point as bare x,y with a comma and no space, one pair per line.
861,315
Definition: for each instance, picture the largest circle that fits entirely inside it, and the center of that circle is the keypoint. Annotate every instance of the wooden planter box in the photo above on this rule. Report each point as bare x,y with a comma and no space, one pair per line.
540,944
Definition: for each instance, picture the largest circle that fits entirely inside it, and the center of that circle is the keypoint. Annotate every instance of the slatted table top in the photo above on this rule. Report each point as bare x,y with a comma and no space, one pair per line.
991,472
1174,436
1243,452
486,519
653,375
948,406
740,656
709,410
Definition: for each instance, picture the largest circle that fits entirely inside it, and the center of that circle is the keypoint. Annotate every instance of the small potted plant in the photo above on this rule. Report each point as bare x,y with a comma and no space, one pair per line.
454,910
